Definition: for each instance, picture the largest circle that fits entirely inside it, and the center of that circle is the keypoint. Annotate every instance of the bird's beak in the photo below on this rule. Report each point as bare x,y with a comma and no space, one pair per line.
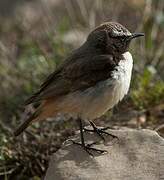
135,35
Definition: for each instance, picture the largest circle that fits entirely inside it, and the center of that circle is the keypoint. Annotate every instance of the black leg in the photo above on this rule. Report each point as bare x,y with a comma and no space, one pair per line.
81,131
86,147
99,131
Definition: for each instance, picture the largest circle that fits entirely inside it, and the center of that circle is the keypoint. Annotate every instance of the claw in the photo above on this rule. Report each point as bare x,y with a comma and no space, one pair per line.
88,148
99,131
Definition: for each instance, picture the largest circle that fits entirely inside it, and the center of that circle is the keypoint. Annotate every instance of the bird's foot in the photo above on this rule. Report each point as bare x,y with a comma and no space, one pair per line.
100,131
88,148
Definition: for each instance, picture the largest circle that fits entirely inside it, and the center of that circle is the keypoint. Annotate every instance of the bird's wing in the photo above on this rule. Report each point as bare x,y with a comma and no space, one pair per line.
75,75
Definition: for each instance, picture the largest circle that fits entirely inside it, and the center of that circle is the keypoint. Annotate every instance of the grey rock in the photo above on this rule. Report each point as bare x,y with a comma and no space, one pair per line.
136,155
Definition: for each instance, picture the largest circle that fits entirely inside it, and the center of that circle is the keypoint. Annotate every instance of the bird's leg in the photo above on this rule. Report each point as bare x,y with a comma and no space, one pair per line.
99,131
86,147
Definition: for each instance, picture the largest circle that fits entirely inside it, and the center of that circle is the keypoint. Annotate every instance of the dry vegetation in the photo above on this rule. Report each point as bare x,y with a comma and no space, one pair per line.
35,37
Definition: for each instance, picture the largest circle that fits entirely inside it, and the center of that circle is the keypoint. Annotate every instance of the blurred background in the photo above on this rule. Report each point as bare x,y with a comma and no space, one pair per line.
35,37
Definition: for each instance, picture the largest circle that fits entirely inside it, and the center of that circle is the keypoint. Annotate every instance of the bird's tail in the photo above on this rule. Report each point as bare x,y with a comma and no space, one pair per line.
25,124
46,109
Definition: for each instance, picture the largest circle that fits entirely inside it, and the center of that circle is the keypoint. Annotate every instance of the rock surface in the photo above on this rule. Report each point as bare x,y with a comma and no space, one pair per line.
136,155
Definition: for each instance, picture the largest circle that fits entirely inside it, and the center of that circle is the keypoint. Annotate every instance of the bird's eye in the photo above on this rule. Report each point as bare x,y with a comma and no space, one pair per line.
112,36
123,38
119,30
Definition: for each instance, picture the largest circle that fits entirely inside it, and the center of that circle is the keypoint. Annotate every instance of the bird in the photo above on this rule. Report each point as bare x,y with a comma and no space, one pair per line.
91,81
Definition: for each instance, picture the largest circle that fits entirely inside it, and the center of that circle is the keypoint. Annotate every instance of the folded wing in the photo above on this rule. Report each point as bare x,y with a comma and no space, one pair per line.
75,74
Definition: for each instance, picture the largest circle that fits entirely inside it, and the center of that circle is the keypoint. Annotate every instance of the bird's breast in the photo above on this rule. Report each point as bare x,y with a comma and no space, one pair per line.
108,93
122,76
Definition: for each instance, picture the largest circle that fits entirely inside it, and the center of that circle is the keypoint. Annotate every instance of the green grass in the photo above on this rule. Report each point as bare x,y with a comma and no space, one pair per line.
149,91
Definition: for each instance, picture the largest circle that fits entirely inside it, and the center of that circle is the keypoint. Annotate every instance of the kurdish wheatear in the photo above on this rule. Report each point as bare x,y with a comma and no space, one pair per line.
93,79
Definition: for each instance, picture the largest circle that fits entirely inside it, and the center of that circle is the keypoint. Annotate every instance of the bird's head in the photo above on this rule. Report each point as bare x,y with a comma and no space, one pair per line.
111,38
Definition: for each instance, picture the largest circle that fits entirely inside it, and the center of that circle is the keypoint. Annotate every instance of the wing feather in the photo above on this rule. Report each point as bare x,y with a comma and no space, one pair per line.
75,75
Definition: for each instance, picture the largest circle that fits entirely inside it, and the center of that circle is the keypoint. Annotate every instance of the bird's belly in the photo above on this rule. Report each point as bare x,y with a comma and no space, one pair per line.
95,101
103,97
